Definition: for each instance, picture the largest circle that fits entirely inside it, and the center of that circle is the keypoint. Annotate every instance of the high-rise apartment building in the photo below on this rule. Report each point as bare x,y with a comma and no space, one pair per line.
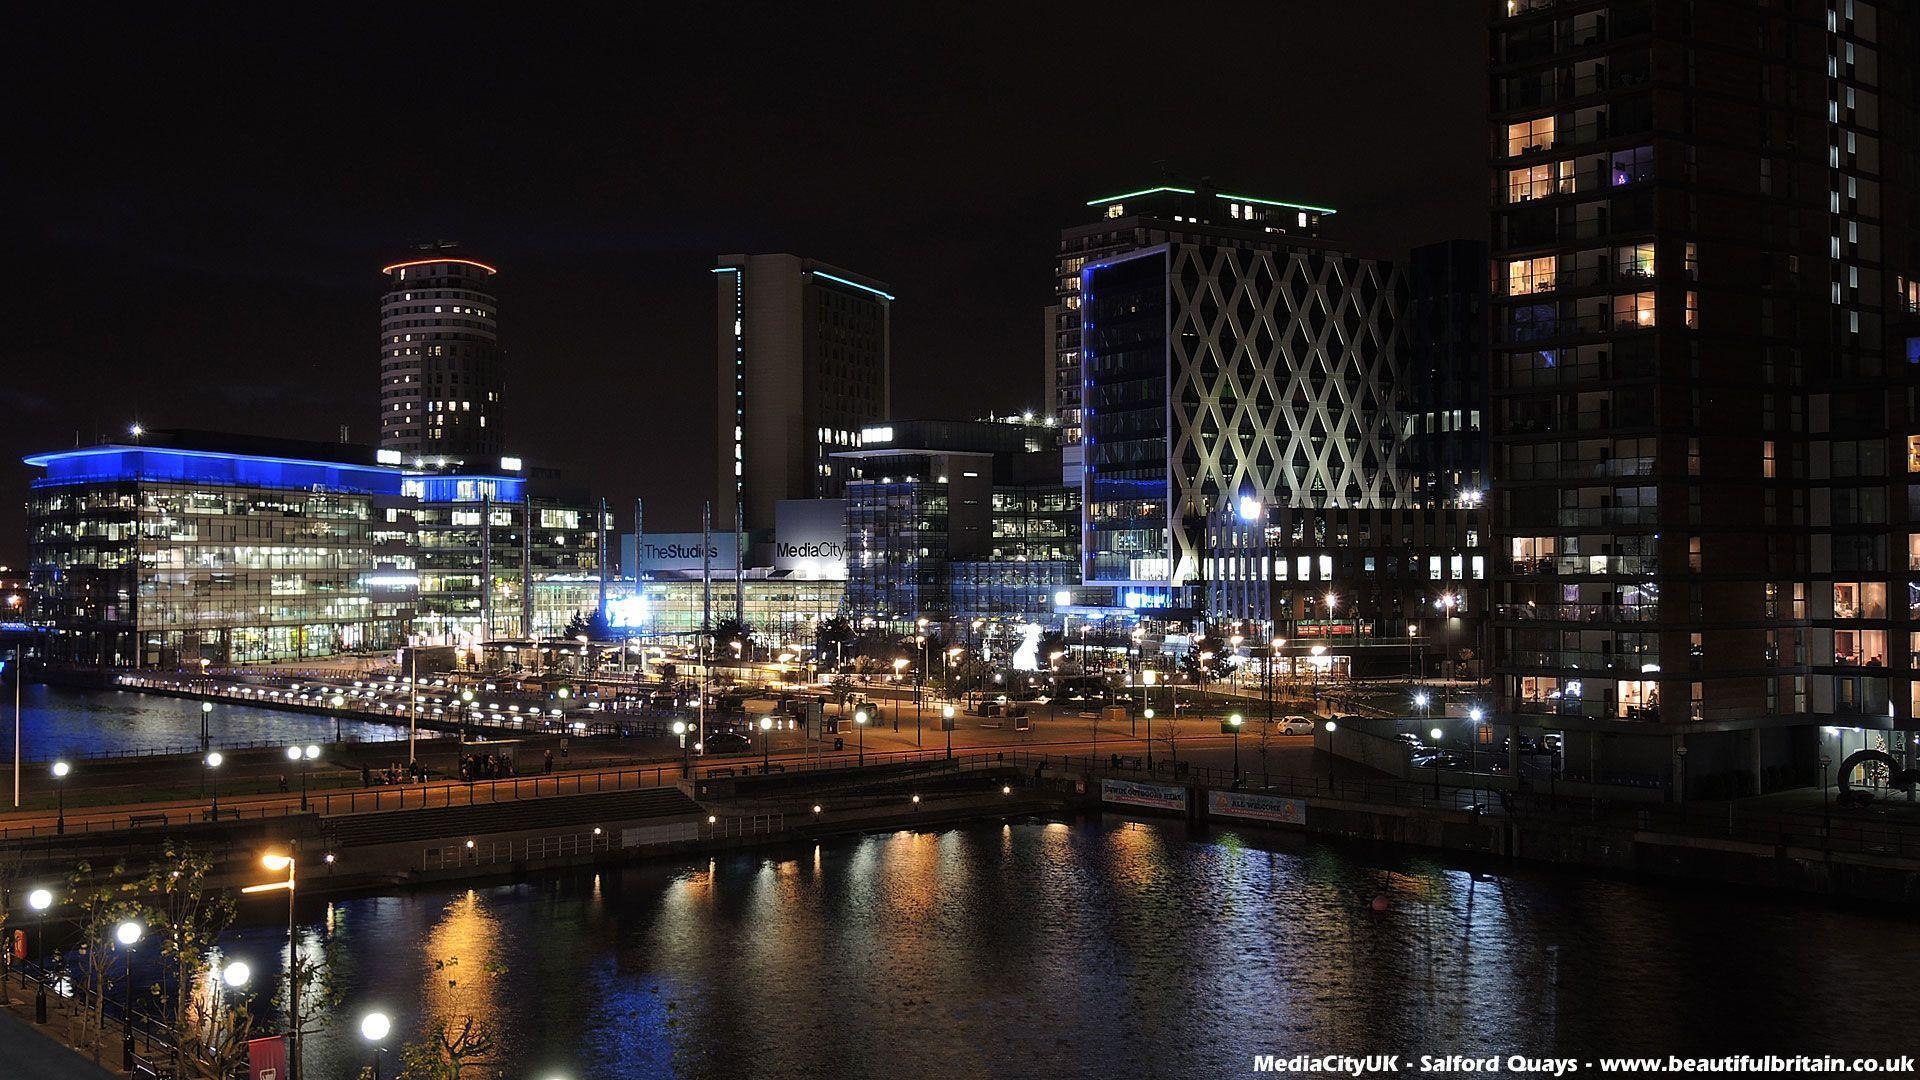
803,366
1702,224
1140,219
1446,336
441,384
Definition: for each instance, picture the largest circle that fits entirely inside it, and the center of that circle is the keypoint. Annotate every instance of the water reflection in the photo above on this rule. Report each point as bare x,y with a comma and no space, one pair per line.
1050,950
61,722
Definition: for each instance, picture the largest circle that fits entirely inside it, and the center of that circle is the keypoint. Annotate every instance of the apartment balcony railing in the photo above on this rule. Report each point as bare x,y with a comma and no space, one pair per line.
1578,613
1586,566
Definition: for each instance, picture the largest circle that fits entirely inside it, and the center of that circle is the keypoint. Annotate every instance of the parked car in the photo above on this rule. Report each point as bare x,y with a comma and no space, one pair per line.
1439,759
1296,725
726,742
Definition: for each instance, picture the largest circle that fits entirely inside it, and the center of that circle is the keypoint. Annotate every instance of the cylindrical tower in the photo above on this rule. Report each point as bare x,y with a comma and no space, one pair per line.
441,389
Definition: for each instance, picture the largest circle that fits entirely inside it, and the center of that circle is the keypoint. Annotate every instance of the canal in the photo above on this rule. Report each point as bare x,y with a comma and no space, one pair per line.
1098,947
65,722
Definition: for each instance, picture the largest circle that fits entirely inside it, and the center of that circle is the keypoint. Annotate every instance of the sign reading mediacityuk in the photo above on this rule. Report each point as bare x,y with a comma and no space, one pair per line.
810,538
1241,804
1153,796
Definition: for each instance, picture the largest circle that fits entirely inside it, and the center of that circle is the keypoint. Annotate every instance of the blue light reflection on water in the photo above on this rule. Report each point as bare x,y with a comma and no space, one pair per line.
1052,950
59,721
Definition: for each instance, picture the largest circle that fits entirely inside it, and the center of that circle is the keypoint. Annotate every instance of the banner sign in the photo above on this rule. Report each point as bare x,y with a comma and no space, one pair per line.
1134,793
267,1058
1241,804
810,538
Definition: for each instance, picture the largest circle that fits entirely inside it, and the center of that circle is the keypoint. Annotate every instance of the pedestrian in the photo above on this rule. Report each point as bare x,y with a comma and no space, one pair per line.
547,763
283,783
366,776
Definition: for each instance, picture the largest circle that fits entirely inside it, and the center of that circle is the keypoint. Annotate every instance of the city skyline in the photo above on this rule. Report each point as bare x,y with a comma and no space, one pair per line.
244,299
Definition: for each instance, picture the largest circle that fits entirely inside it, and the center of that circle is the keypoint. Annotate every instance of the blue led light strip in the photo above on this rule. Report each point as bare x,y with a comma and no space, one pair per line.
853,284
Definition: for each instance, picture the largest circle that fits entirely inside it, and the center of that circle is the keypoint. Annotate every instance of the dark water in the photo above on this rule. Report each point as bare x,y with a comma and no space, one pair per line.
1098,948
62,722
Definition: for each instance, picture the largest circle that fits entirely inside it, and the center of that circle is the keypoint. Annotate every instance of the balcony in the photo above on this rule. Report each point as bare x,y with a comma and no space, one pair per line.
1593,614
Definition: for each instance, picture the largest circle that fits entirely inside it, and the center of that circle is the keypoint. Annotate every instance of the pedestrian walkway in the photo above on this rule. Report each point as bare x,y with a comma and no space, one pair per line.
37,1055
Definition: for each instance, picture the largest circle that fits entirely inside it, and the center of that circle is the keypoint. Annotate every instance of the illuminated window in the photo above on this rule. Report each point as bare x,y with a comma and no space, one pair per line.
1539,181
1529,135
1633,262
1693,311
1525,276
1633,310
1767,462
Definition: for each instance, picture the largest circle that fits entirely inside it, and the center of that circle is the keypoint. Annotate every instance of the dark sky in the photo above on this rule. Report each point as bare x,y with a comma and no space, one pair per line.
203,196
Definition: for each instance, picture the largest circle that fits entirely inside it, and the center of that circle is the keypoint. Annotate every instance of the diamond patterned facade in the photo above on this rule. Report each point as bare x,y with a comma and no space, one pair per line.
1218,377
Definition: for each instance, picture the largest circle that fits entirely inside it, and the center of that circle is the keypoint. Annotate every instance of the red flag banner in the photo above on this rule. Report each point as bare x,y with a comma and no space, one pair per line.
267,1058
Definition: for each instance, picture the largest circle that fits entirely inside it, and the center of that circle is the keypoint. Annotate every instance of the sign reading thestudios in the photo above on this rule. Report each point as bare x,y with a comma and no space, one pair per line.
810,538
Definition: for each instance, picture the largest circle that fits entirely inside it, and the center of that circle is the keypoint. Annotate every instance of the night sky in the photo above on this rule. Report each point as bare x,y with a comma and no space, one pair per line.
202,196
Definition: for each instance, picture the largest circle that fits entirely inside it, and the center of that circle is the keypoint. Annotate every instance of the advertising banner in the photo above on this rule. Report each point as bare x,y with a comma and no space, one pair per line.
674,552
1241,804
1135,793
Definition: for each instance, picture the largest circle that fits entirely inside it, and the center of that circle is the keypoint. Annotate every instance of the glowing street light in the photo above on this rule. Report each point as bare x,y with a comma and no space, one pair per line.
860,721
128,934
304,757
946,721
60,771
213,761
40,900
374,1028
1234,722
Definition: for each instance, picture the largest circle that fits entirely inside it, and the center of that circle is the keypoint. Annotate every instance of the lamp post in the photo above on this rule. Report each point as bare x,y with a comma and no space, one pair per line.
766,744
946,721
1234,722
1477,716
128,935
1826,815
304,758
40,900
288,863
213,760
860,721
60,771
233,976
686,751
1148,676
206,711
373,1028
1436,735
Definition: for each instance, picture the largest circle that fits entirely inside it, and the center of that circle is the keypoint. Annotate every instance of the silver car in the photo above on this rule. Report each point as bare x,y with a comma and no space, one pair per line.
1295,725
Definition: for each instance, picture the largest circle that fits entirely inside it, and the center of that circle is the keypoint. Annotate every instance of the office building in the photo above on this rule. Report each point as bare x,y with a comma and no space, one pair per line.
950,520
502,556
190,546
665,592
1139,219
442,387
1702,225
1231,380
803,366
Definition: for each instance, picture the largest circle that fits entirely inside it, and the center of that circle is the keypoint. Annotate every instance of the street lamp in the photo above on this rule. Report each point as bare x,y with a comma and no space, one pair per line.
766,743
128,935
686,752
946,721
60,771
373,1028
288,864
206,712
213,760
40,900
304,758
1234,722
860,721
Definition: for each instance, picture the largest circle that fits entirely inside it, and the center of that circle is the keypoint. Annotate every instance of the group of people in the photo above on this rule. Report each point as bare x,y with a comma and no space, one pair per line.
411,772
485,767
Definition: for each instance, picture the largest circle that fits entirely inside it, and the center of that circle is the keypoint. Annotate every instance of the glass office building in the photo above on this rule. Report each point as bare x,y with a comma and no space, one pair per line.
162,554
189,547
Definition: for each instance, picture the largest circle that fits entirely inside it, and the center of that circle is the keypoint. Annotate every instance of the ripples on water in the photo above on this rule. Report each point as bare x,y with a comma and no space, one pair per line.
1100,948
57,721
